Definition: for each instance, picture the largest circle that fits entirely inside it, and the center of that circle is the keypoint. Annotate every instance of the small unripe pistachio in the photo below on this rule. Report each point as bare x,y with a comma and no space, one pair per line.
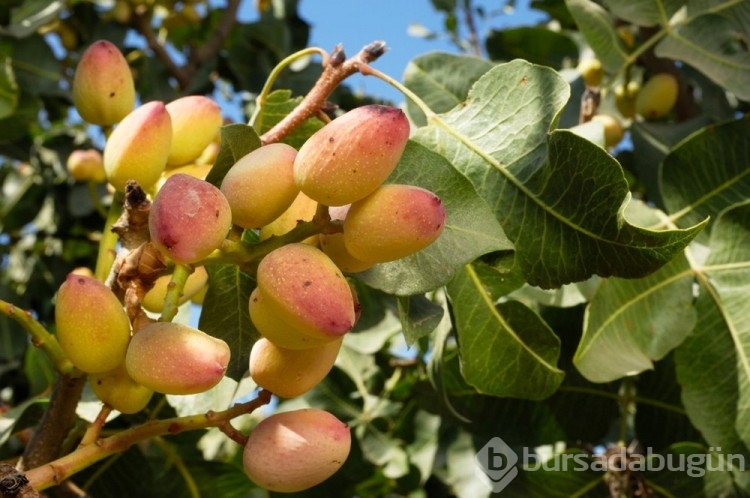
591,71
657,97
86,165
103,87
119,391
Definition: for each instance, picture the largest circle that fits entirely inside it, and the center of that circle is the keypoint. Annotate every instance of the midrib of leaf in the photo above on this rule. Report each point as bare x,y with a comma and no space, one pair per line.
434,119
709,55
36,71
733,332
639,400
631,302
705,197
489,303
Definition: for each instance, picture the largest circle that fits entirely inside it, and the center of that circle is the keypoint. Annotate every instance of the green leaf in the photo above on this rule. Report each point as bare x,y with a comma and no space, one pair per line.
26,19
558,197
442,81
713,364
470,230
419,317
713,40
598,28
37,71
707,172
506,349
644,12
277,106
225,314
236,141
536,44
631,323
9,91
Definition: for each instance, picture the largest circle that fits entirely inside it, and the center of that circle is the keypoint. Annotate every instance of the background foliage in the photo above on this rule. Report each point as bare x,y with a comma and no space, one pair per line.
580,298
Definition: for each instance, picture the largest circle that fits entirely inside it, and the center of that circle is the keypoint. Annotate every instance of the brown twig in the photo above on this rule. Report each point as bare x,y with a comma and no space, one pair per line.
61,469
472,27
220,33
142,22
56,423
337,69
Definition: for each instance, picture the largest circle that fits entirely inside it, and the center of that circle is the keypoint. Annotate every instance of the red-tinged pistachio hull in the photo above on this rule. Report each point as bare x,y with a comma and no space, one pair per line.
296,450
172,358
138,147
103,86
352,155
393,222
189,219
92,326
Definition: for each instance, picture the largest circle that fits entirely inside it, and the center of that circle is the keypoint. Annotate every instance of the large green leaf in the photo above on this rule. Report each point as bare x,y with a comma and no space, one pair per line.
559,197
31,15
470,230
442,81
631,323
713,39
8,86
713,364
598,28
506,349
707,172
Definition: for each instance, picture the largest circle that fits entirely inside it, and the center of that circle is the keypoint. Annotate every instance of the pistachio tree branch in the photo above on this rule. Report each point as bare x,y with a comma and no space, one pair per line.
55,472
219,35
142,22
336,70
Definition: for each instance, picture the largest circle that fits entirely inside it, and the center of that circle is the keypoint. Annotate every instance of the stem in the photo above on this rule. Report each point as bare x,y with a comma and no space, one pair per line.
429,113
41,338
55,472
174,292
107,247
94,194
260,100
336,70
58,419
95,429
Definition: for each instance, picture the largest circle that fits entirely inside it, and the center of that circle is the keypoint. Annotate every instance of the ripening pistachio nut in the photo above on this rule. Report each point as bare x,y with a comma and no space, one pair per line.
657,97
296,450
352,155
291,372
302,209
393,222
196,120
172,358
260,185
591,71
613,130
335,248
92,326
103,86
154,299
305,290
189,219
86,165
118,390
138,147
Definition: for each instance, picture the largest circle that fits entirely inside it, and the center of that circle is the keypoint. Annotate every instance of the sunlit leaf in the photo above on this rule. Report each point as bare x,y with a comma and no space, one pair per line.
558,197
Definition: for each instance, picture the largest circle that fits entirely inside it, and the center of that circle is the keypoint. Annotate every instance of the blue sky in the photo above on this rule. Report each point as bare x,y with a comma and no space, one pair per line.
355,23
